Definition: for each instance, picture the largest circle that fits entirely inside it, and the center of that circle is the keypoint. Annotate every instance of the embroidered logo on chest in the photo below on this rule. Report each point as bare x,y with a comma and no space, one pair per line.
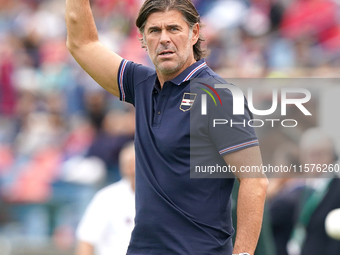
187,101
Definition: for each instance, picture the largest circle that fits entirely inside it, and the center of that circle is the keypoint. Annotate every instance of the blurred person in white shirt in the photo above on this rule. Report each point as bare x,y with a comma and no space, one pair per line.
106,226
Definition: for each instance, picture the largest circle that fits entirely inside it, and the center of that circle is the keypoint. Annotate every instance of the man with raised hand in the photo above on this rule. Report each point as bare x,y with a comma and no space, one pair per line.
175,214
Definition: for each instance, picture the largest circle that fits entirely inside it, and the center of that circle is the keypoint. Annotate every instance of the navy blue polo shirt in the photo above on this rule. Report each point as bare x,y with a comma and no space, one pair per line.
176,214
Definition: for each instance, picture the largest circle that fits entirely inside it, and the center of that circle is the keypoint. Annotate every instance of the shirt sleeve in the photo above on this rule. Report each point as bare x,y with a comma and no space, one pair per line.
233,132
93,222
130,75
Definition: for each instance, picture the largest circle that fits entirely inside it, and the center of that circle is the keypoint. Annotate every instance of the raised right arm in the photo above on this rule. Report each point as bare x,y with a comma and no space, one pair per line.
82,41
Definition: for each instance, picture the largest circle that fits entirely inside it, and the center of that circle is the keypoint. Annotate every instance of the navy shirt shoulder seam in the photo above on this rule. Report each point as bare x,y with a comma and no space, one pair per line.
144,81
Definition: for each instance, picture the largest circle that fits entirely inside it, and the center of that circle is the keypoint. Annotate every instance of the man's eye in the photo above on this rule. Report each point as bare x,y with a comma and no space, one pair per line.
174,29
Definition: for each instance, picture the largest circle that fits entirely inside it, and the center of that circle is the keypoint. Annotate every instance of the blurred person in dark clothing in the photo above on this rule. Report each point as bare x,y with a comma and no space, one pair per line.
117,129
320,196
283,197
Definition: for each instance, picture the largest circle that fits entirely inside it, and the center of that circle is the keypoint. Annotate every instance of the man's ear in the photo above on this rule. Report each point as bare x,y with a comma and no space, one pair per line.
195,33
141,39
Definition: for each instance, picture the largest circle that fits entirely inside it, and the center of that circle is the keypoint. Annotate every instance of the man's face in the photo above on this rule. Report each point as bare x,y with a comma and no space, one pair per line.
170,41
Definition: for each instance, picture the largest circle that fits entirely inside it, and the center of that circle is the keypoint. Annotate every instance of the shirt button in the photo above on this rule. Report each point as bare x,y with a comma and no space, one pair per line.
159,112
163,96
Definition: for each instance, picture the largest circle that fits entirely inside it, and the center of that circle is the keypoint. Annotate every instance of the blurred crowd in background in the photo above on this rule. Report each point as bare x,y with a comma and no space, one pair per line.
61,133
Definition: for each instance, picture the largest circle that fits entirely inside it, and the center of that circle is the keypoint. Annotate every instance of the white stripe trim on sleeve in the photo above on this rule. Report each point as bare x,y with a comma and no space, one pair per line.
238,146
121,76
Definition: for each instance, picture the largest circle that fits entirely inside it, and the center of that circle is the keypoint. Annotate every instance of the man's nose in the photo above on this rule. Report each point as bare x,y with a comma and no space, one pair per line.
165,39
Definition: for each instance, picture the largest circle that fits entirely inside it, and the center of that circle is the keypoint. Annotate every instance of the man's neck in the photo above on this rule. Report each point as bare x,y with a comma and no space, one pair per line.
162,78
